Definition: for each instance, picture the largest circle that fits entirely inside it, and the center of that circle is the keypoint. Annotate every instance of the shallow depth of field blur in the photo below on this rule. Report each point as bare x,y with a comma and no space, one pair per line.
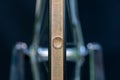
100,20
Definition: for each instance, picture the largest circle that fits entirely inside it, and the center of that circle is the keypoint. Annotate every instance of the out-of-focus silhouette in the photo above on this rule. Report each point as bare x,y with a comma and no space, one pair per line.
99,20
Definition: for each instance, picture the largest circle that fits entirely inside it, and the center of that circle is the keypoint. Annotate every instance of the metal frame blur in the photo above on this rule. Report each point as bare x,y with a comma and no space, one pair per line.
38,54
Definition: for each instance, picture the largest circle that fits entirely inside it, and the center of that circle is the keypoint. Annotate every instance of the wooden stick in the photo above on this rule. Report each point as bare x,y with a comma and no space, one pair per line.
57,39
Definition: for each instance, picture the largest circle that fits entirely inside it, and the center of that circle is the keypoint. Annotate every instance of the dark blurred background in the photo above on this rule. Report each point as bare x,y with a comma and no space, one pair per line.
100,21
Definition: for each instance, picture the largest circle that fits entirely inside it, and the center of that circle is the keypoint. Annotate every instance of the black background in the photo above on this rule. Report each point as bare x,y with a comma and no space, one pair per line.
100,21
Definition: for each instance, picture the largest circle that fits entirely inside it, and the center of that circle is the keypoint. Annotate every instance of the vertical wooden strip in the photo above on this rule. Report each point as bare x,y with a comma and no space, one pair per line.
57,39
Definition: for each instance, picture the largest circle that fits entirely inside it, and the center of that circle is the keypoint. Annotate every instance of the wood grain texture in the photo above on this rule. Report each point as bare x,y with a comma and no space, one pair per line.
57,39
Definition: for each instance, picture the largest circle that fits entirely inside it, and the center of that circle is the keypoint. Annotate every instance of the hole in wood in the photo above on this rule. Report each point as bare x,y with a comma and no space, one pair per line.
57,42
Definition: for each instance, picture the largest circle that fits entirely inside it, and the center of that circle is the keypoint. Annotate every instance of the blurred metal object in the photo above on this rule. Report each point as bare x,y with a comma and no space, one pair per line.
78,36
96,62
17,65
71,54
57,53
40,7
